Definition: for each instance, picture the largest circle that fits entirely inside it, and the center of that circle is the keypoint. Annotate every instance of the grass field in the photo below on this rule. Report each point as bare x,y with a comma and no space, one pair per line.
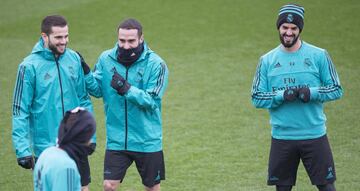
214,139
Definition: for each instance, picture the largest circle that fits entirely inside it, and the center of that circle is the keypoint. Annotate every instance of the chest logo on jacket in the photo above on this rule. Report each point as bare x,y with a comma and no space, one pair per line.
47,76
307,62
72,73
113,70
278,65
71,70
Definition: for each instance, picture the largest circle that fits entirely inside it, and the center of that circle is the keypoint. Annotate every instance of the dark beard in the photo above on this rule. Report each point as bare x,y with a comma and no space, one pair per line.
288,45
54,49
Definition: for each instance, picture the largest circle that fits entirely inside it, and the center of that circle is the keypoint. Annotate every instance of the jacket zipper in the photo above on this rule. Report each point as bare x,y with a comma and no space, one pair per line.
61,90
126,117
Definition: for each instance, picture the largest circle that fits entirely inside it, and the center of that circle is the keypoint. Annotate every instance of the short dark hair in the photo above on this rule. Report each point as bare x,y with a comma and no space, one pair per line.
50,21
130,24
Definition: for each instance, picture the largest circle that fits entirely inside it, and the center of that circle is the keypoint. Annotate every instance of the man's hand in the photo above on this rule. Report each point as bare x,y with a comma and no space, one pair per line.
119,84
92,147
304,94
290,94
84,66
26,162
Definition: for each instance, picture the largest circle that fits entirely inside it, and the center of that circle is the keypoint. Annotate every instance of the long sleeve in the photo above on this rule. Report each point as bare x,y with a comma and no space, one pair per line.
84,97
150,97
93,81
330,88
22,100
261,96
82,94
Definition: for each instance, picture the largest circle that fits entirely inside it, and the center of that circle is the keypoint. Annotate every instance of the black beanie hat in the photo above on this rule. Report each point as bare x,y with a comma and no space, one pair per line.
77,125
291,13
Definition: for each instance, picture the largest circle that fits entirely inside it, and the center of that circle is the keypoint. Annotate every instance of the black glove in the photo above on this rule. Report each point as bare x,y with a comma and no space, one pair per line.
119,84
84,66
290,94
304,94
26,162
92,147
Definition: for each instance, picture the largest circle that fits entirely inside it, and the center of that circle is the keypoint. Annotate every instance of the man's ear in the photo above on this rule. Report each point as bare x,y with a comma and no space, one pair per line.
142,38
43,35
45,38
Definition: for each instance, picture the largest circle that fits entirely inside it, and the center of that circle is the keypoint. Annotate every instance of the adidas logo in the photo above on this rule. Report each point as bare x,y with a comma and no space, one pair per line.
278,65
47,76
158,176
330,176
330,173
113,70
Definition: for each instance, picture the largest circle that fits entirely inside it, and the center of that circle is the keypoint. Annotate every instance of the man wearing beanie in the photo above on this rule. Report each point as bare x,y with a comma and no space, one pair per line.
293,81
57,167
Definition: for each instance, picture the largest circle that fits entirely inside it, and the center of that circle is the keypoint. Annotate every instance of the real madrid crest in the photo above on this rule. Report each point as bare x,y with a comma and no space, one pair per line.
289,18
307,62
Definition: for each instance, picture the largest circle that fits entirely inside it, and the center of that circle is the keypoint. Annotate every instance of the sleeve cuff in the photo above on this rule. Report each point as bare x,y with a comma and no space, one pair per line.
24,154
279,97
131,90
314,93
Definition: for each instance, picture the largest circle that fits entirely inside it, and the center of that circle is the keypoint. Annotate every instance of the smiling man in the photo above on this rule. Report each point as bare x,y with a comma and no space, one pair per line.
293,81
131,79
49,82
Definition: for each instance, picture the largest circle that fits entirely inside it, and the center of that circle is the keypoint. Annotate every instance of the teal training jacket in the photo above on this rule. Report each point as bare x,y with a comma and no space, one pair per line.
45,88
277,71
56,171
133,121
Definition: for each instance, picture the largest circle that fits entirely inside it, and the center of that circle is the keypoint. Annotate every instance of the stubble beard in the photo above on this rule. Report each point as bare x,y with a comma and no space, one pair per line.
288,44
55,50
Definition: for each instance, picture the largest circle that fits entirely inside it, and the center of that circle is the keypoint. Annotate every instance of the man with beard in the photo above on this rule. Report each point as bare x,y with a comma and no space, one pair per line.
57,167
49,82
132,80
293,81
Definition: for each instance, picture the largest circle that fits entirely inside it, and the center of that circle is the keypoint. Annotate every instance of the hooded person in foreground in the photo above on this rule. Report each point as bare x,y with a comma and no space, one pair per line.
57,166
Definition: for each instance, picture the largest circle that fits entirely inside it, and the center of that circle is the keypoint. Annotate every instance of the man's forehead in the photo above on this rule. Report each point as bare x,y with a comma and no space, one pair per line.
128,33
56,30
290,25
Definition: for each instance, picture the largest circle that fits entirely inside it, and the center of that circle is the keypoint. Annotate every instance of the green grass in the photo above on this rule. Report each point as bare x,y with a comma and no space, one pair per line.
213,137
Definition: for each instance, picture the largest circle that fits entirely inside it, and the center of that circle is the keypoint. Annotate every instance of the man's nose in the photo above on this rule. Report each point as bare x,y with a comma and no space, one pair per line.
126,45
63,40
289,32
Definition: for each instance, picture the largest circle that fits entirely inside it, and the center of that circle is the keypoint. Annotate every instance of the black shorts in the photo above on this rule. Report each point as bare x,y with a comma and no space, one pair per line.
315,154
84,170
150,166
